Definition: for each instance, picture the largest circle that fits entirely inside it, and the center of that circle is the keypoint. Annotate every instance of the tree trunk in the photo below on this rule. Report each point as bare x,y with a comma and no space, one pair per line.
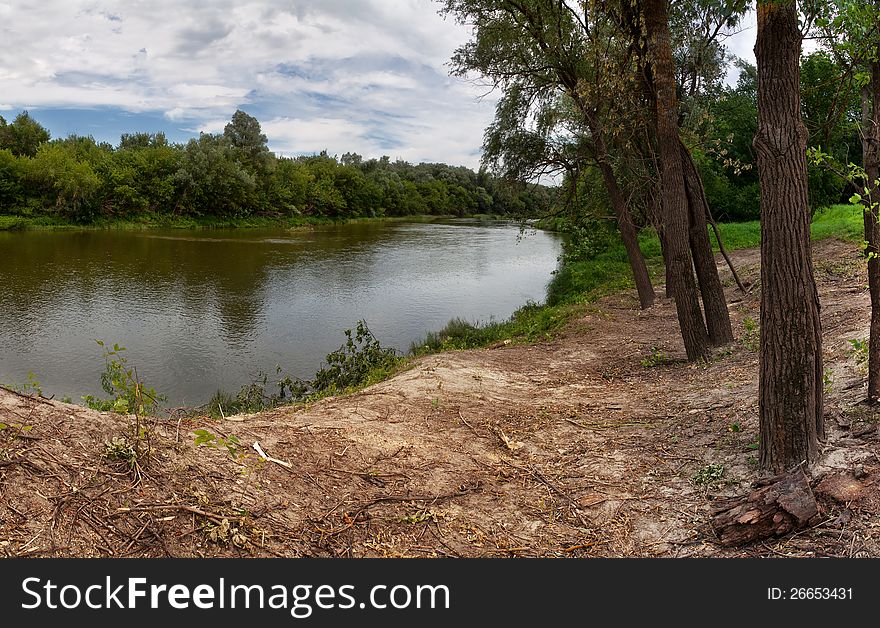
871,162
790,377
628,231
714,302
779,506
655,215
674,200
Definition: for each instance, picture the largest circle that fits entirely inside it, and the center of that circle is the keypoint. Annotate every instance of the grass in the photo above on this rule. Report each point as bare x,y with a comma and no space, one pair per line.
583,281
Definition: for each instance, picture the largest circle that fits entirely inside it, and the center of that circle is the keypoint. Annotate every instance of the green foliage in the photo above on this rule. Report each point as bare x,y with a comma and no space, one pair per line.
231,444
120,381
751,334
119,449
362,360
354,362
529,323
709,475
657,357
230,178
23,137
260,394
859,352
827,380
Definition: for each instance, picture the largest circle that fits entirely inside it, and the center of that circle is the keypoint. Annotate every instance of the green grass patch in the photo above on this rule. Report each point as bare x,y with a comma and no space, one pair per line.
530,323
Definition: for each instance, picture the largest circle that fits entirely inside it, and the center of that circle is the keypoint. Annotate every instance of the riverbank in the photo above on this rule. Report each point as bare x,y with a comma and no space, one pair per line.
602,441
157,221
583,281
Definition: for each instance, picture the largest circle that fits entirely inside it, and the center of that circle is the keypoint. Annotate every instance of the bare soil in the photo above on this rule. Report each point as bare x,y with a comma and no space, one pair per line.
601,442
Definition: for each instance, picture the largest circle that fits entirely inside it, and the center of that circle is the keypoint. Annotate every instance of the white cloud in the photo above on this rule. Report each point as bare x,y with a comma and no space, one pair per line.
742,44
371,72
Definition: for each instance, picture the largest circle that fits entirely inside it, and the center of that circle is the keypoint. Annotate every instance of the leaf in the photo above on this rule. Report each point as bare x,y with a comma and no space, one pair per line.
203,437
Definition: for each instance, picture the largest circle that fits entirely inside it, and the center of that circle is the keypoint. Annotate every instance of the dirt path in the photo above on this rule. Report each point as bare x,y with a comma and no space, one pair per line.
588,445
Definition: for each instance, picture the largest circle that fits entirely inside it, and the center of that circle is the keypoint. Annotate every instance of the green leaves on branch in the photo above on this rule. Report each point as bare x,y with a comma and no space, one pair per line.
362,360
119,380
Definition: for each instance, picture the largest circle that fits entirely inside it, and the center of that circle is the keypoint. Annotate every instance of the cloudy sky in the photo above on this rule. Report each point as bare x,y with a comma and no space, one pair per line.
368,76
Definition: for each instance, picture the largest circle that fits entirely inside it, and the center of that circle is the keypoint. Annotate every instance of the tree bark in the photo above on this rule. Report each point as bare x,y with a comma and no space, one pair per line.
714,301
628,231
790,377
780,506
680,274
871,162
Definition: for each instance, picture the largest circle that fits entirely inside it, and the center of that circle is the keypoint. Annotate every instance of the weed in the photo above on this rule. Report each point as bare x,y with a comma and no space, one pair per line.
751,334
128,394
828,380
119,449
734,427
709,475
204,437
859,351
657,358
355,362
361,361
31,387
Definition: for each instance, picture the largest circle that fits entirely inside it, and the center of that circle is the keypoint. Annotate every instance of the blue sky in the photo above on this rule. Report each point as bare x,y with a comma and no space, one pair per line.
368,76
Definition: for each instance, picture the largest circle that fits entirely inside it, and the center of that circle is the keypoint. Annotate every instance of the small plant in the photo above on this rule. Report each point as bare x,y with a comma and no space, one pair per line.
657,358
734,427
709,475
120,450
859,351
827,380
204,437
32,386
260,394
128,393
354,363
751,334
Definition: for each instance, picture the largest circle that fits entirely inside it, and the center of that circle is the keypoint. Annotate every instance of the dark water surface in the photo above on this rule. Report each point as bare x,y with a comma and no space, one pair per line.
208,309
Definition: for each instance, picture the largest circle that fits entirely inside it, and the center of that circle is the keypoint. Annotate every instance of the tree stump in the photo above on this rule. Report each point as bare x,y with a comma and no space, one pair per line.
776,507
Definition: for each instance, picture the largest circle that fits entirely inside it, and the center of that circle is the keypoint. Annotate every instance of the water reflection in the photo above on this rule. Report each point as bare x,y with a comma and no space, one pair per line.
201,310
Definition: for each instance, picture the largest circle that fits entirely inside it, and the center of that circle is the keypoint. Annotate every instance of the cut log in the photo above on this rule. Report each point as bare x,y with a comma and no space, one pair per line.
776,507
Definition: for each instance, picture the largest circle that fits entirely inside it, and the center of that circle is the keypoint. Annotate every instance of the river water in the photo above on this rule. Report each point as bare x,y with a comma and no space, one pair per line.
204,310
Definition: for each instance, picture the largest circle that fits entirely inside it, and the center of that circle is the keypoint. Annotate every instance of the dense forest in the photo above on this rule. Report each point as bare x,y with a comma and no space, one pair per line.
231,175
234,174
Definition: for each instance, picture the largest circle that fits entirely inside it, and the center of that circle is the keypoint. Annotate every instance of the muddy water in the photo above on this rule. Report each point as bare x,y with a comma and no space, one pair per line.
205,310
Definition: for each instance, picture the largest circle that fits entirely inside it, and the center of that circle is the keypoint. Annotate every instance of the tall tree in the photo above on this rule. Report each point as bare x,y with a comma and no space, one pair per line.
851,32
790,385
647,25
674,198
871,163
540,52
23,136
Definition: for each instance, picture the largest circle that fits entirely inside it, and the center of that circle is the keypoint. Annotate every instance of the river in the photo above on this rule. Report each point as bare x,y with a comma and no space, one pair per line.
203,310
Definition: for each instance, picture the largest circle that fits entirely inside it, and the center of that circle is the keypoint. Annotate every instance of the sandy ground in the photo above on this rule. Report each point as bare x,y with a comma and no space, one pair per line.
600,442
